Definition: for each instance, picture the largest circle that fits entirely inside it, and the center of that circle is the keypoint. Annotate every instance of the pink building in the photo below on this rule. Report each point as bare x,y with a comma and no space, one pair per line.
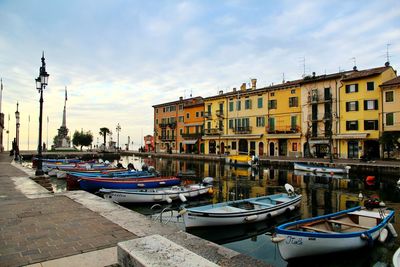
148,143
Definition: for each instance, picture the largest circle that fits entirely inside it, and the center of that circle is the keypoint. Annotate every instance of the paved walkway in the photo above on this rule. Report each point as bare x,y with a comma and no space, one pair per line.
49,227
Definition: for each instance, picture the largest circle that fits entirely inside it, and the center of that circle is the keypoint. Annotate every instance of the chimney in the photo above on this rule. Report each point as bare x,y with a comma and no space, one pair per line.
355,68
180,98
243,87
221,92
234,89
253,84
313,74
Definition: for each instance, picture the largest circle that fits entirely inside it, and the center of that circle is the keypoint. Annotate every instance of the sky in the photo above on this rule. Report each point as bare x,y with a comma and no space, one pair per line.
118,58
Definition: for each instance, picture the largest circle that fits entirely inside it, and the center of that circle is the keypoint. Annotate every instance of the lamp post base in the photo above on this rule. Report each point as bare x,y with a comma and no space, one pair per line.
39,173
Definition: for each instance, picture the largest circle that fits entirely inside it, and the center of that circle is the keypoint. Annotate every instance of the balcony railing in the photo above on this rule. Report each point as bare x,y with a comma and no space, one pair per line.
212,131
317,98
242,130
167,138
207,115
192,135
319,117
168,124
283,129
220,113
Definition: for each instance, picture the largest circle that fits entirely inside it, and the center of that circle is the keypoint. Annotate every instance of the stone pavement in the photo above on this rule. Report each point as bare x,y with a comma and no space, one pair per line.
40,229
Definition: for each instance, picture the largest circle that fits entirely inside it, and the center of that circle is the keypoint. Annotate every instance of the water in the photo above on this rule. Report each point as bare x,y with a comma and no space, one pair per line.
321,195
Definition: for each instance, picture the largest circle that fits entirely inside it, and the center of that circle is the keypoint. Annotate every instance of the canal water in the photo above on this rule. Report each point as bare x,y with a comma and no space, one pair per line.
321,195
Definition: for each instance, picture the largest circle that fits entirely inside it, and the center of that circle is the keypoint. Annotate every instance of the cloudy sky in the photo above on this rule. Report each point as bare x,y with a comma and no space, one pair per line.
119,57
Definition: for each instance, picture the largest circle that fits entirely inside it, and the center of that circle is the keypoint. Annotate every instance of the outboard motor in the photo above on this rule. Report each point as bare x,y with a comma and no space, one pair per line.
151,169
208,180
145,167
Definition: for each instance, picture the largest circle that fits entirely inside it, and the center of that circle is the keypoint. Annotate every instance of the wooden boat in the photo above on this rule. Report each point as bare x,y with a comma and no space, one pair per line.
340,231
94,184
156,194
241,211
320,169
61,174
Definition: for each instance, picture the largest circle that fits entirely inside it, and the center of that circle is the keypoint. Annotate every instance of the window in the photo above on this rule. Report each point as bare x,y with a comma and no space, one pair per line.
370,86
209,125
272,104
197,114
163,109
370,104
389,96
230,124
238,105
293,123
180,118
271,124
156,110
234,145
172,108
352,88
247,104
180,131
294,146
352,106
260,102
272,94
202,114
371,125
293,91
351,125
156,121
389,119
293,101
231,106
181,107
187,115
260,121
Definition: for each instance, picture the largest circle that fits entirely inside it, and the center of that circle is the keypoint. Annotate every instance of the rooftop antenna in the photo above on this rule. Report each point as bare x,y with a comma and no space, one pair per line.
354,63
184,93
387,54
283,77
303,61
190,92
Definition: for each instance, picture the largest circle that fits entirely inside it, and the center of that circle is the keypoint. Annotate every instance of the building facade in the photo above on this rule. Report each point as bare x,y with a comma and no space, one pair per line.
193,129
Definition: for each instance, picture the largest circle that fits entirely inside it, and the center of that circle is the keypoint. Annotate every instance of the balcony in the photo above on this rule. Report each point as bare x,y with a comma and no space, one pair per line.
220,113
168,124
192,135
316,98
283,129
319,117
242,130
207,115
166,138
212,131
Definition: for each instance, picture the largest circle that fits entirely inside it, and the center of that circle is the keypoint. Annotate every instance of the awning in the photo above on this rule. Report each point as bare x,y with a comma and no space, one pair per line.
189,142
318,142
283,136
351,136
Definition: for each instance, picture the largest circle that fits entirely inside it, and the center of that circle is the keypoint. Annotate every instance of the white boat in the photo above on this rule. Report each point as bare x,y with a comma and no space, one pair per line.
322,174
341,231
241,211
396,258
156,194
321,169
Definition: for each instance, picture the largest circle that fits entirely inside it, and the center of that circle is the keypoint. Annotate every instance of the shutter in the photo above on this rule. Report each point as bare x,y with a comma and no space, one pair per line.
347,125
347,88
376,105
356,87
376,125
357,105
365,104
356,125
347,106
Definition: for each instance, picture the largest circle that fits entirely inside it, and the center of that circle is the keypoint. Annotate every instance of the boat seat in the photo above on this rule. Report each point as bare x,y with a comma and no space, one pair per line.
315,229
262,203
225,209
349,224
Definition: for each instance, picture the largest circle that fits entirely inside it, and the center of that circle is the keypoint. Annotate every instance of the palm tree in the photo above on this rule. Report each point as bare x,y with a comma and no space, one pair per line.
103,132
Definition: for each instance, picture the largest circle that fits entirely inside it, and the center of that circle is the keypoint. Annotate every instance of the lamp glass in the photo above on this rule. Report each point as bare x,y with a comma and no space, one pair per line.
38,84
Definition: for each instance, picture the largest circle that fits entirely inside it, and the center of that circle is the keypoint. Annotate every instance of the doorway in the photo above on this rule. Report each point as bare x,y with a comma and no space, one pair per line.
352,149
271,149
260,148
243,147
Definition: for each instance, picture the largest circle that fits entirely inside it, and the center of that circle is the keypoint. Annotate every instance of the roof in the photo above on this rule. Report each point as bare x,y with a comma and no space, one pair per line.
180,101
365,73
395,81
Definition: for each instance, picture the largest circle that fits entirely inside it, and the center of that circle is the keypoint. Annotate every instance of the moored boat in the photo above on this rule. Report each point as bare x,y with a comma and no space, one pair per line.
241,211
242,160
396,258
150,195
341,231
321,169
94,184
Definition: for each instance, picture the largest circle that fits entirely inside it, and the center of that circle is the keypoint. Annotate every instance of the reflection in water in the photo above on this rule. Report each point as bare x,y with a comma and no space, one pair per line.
322,194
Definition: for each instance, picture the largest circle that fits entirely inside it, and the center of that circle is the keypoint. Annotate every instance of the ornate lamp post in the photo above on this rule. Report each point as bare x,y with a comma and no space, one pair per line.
41,83
118,129
17,124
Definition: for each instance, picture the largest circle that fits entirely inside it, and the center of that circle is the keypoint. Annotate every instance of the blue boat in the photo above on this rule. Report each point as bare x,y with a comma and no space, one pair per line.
94,184
341,231
113,174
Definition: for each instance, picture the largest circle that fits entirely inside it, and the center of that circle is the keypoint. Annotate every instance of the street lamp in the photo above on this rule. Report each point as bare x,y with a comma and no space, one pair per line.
17,134
118,129
41,83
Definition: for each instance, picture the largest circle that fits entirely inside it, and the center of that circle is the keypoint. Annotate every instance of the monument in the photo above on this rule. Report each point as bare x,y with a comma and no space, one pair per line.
62,141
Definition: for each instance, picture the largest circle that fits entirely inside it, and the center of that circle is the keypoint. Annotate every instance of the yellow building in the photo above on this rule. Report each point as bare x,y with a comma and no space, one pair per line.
360,112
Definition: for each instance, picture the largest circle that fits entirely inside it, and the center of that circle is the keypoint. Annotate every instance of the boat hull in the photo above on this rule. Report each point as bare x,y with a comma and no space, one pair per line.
230,216
321,169
156,195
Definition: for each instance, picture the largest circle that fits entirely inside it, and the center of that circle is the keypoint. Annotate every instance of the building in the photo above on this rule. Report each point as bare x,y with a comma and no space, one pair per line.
193,130
391,114
148,143
360,112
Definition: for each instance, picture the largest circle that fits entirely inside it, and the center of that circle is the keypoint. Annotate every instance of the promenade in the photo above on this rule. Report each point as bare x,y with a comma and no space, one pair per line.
39,228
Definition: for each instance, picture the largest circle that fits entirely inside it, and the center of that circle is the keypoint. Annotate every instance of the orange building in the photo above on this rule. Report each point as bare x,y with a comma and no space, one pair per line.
193,126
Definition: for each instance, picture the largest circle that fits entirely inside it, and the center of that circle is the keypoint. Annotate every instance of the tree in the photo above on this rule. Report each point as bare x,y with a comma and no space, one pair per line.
82,138
103,132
